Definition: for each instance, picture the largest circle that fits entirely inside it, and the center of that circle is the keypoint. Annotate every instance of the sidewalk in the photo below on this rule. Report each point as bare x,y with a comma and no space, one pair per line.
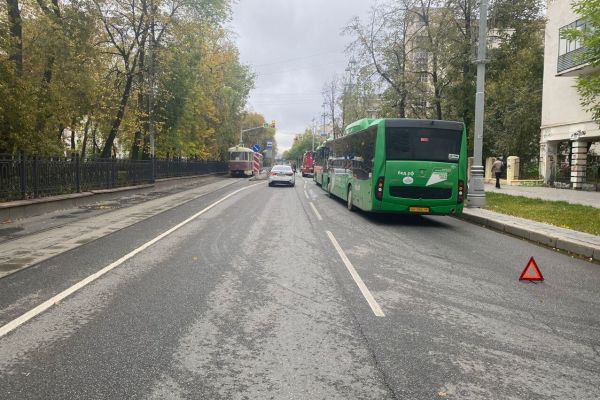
582,244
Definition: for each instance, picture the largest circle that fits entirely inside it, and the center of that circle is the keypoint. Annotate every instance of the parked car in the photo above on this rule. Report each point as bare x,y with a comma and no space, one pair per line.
282,174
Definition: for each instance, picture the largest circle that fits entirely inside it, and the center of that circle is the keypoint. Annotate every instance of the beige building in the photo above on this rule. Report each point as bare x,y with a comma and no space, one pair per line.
568,132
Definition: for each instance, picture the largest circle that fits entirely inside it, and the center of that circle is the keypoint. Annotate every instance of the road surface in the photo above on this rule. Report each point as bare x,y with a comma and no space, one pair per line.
251,292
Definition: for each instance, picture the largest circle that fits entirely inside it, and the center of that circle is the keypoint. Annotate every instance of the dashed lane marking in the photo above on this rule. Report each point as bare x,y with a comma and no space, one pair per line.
315,211
359,282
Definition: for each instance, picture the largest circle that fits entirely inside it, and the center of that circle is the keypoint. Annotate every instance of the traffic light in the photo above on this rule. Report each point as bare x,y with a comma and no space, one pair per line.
272,124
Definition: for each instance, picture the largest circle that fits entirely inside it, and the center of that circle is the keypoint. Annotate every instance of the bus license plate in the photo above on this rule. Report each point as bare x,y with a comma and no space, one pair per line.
419,209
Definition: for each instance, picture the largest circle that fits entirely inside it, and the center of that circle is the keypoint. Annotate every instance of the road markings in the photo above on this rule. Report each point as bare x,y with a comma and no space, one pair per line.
56,299
305,194
359,282
315,211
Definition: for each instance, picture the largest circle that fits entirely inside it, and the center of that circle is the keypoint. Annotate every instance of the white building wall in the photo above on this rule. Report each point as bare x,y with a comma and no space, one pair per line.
563,117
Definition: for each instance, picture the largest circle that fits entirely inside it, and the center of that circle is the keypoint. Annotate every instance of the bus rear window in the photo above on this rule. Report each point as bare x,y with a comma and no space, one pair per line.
422,144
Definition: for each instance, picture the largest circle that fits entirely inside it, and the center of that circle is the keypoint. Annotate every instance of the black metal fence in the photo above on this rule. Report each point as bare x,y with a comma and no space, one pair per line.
529,169
27,177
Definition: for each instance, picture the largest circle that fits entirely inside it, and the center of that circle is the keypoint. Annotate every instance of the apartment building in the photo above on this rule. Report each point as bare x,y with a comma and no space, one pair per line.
569,135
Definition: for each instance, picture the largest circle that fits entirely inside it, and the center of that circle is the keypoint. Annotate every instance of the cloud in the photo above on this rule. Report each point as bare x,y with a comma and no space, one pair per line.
294,47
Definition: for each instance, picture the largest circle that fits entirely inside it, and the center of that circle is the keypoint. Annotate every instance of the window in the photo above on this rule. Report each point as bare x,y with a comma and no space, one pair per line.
423,144
421,59
423,77
565,45
238,156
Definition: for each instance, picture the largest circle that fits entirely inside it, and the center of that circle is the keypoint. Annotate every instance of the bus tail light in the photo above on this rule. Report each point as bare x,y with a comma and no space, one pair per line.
461,190
379,189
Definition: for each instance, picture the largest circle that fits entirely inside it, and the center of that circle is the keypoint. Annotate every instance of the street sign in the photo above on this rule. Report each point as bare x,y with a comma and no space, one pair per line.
269,145
256,148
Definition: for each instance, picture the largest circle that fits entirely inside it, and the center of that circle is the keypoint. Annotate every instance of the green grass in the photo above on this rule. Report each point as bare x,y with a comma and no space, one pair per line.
559,213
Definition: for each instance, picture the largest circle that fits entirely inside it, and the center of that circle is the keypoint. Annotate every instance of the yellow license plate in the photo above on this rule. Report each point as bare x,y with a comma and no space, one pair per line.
419,209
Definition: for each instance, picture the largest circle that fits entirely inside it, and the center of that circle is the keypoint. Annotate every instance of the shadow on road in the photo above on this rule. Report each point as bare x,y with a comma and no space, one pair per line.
434,221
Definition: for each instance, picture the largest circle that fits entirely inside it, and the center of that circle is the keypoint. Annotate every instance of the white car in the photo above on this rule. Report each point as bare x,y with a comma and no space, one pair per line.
282,174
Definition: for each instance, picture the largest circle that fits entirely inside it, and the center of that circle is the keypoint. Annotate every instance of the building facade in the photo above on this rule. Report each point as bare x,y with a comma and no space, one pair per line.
569,135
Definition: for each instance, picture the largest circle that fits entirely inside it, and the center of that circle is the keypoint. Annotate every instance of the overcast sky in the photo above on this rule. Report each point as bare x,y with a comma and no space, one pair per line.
294,47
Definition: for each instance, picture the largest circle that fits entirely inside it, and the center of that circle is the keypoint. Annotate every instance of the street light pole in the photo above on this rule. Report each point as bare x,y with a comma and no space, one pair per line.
324,119
313,133
476,190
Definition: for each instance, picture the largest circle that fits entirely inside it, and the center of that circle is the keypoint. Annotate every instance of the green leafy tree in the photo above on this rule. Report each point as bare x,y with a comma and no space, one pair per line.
302,145
514,80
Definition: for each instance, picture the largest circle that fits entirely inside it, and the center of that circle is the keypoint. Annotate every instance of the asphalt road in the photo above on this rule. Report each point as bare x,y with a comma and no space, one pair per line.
283,293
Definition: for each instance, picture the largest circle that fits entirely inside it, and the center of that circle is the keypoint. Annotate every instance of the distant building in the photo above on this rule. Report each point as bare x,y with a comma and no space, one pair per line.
568,132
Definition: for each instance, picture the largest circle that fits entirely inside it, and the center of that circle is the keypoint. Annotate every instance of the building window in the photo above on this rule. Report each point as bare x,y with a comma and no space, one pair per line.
421,59
423,77
565,45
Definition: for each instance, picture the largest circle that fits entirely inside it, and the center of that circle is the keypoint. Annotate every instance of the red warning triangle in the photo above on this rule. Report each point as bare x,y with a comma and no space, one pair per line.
531,272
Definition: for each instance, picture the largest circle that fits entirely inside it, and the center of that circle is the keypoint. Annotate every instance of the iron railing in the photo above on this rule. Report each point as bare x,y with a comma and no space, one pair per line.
529,169
28,177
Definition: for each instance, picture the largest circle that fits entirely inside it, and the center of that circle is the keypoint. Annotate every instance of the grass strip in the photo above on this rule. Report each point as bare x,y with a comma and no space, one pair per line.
558,213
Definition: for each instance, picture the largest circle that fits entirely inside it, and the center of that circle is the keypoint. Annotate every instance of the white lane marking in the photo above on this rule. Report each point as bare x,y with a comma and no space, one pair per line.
359,282
54,300
305,194
315,211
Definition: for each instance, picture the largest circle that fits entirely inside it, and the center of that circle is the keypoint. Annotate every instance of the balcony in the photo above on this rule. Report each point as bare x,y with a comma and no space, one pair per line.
572,63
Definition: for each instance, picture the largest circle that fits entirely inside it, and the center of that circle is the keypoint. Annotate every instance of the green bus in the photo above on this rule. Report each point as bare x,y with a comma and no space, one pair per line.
321,155
399,166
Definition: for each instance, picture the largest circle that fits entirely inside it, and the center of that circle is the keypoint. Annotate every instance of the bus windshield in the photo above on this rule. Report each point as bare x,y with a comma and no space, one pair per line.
422,144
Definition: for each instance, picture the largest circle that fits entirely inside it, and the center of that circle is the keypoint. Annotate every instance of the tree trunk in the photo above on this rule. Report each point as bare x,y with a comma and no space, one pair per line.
16,33
143,116
86,129
95,146
106,151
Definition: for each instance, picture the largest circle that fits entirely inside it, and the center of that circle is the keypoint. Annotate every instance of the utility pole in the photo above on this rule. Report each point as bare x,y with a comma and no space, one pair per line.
476,190
314,129
324,117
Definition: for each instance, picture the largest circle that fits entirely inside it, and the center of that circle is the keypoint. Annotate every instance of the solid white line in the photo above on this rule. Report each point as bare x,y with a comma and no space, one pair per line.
49,303
316,212
359,282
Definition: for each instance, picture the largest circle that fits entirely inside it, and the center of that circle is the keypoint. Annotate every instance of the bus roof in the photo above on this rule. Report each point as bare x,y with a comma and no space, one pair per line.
360,125
241,149
363,124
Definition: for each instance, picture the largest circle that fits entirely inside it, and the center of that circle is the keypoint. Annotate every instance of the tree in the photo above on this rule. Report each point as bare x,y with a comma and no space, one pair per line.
331,93
382,44
514,80
302,145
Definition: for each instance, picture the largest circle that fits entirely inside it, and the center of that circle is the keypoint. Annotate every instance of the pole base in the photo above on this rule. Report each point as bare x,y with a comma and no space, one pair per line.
476,196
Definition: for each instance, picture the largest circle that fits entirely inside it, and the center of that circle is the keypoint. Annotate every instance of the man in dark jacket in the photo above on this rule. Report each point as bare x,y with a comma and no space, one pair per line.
497,167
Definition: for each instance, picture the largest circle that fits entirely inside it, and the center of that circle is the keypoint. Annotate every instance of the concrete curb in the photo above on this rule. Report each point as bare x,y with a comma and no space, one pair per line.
19,209
549,239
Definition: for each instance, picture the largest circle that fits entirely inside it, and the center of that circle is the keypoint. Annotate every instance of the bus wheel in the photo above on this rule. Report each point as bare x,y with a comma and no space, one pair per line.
350,205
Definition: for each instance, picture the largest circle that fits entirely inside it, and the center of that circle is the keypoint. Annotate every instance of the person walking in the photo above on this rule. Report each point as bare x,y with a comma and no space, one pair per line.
497,167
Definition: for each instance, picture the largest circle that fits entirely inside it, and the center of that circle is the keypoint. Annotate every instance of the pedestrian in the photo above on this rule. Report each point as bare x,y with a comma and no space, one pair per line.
497,168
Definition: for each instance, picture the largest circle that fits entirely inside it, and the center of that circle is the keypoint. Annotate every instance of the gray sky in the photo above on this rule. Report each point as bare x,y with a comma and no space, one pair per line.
294,47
